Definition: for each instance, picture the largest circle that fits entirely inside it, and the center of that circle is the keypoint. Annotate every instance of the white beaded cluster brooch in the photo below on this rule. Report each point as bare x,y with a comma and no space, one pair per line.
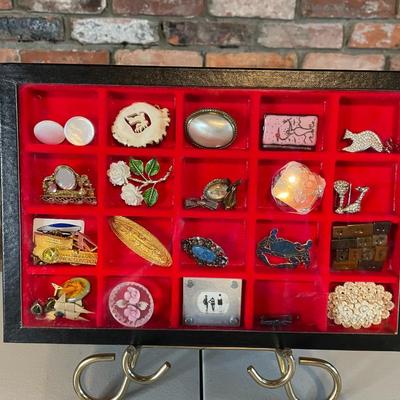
359,304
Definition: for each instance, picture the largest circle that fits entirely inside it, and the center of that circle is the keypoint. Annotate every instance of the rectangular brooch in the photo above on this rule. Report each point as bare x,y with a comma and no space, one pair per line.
290,131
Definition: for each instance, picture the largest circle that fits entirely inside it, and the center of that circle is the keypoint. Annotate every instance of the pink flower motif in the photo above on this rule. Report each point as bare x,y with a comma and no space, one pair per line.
132,313
132,295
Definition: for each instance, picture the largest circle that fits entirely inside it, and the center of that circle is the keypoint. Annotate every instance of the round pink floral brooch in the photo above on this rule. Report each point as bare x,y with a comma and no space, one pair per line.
131,304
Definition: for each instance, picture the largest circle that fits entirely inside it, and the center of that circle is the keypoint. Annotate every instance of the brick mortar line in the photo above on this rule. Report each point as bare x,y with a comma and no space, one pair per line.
386,65
108,9
297,10
71,44
108,13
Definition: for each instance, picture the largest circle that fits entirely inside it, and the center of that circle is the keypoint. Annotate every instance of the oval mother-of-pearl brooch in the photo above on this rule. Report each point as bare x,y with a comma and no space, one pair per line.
141,124
210,129
49,132
205,251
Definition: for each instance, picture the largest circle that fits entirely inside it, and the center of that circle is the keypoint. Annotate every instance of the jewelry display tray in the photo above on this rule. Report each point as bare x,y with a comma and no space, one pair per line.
342,100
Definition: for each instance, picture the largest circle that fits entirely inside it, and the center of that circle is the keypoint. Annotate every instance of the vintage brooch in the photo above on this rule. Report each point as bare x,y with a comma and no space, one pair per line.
141,124
120,173
140,241
65,186
294,253
297,132
205,251
131,304
210,129
75,289
297,189
366,140
66,302
363,246
359,304
62,242
343,190
217,192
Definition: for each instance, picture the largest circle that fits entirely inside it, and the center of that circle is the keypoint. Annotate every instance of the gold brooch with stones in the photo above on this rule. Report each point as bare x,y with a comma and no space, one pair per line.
65,186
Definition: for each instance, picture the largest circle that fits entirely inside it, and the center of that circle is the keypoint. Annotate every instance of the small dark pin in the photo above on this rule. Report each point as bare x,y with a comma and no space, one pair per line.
382,227
194,202
370,265
342,254
379,240
367,254
364,241
278,321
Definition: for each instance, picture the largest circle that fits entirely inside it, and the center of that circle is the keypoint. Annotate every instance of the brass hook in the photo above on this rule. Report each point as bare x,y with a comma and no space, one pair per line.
81,393
287,358
129,362
313,362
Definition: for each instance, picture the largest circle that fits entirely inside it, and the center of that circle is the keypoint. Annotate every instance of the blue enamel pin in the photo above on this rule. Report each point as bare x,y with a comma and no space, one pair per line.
205,251
294,252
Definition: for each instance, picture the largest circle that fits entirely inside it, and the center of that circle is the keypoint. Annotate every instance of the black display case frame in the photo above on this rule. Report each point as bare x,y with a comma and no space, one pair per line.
13,75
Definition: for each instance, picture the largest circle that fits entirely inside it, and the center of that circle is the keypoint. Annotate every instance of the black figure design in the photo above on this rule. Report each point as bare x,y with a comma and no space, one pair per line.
212,303
219,301
205,302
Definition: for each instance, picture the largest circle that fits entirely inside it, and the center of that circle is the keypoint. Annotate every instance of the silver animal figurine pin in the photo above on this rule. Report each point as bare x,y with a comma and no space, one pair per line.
343,188
365,140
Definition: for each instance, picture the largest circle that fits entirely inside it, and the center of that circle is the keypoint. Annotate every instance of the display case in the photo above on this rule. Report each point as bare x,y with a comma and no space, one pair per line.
199,207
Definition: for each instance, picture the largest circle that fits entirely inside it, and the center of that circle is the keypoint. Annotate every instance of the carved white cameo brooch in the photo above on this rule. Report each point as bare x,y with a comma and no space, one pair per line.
141,124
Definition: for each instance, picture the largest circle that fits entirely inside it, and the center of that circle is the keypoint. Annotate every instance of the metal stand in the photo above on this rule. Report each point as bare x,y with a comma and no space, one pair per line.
287,366
286,362
129,360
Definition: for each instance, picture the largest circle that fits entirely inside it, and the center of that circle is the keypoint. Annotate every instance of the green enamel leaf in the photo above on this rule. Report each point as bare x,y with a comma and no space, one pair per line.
136,166
150,196
152,167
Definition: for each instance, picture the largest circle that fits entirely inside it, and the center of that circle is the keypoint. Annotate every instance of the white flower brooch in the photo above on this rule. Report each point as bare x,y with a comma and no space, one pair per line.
120,174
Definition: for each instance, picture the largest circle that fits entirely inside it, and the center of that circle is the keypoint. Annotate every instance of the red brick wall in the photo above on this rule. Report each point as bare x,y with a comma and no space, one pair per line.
346,34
